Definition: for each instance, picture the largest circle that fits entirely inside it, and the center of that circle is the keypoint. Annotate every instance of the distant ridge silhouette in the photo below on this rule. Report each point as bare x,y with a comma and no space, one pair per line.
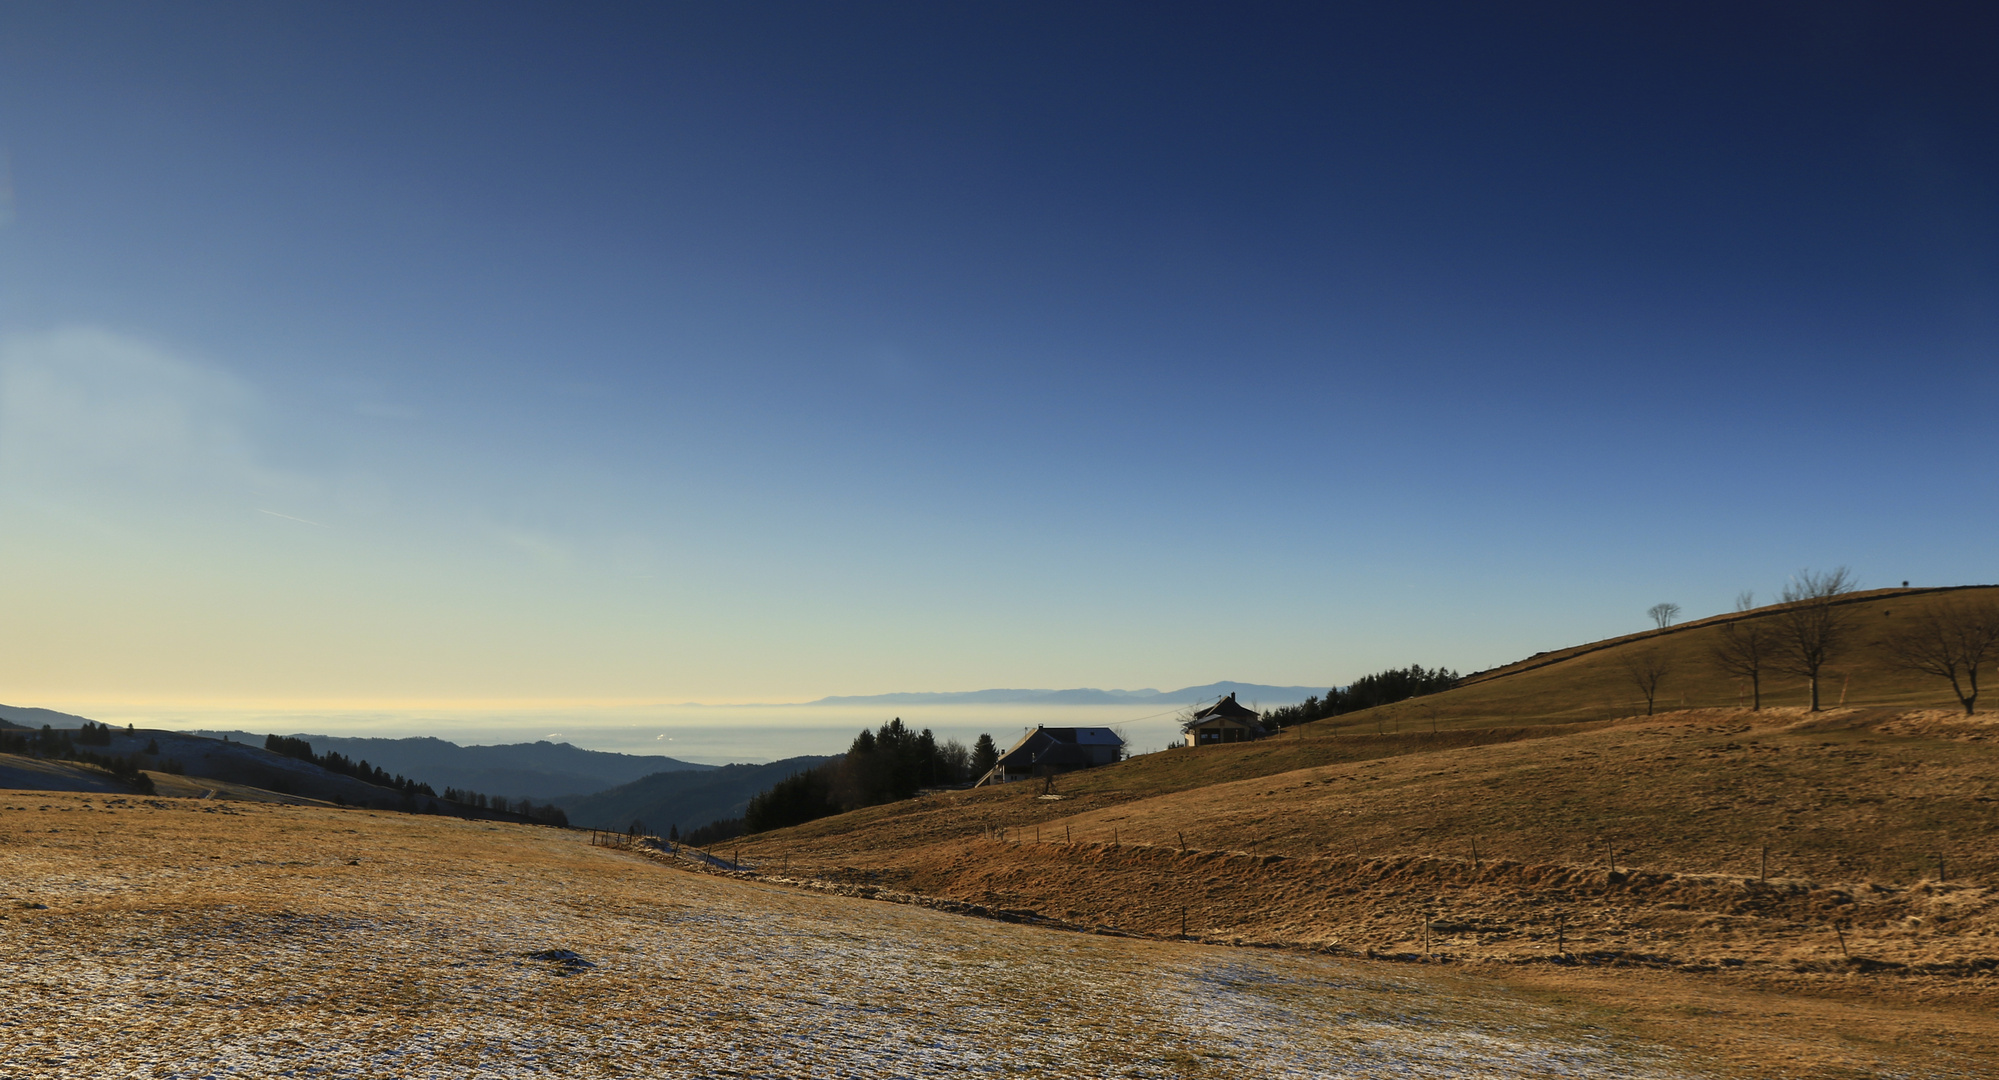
536,770
28,717
1257,692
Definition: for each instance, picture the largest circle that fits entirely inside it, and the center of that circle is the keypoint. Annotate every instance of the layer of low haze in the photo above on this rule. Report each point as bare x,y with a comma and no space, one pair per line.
515,354
708,734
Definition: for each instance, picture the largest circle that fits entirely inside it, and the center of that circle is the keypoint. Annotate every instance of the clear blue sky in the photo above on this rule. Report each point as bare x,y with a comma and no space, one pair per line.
370,352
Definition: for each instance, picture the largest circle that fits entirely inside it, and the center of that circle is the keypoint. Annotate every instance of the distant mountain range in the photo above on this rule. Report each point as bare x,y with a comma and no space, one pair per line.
598,789
29,717
180,764
537,770
1244,692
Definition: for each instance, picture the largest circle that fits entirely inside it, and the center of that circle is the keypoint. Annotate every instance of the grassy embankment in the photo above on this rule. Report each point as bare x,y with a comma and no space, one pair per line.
1597,832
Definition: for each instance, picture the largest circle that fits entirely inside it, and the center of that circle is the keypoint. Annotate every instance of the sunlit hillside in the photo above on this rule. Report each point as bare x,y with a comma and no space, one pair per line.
1535,812
1591,682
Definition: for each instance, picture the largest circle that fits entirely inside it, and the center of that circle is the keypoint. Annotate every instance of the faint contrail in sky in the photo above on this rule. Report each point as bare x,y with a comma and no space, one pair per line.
288,517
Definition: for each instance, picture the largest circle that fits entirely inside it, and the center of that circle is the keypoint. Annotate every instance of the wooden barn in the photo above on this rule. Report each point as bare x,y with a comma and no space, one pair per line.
1225,721
1049,750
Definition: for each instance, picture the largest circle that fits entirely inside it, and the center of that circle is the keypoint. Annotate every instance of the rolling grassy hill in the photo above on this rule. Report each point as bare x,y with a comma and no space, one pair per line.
1589,682
1708,837
185,765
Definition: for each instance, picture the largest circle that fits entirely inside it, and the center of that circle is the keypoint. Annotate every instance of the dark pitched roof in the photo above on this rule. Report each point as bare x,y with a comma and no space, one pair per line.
1228,709
1053,755
1057,746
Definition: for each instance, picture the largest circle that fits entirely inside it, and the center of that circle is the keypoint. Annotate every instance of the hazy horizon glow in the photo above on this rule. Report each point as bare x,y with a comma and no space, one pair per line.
708,734
450,360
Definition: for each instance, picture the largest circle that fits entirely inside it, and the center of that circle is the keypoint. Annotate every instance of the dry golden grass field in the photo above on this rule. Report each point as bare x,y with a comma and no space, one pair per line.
1589,682
1354,840
1529,821
161,937
1524,876
155,937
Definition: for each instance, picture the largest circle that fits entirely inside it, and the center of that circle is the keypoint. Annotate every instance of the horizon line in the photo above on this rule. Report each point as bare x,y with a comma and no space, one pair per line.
80,705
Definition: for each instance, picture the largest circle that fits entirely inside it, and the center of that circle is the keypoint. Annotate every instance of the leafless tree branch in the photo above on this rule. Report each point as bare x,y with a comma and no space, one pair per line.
1647,670
1951,641
1812,629
1744,651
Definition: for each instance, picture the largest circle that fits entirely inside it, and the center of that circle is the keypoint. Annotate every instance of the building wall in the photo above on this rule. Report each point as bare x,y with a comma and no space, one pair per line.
1219,731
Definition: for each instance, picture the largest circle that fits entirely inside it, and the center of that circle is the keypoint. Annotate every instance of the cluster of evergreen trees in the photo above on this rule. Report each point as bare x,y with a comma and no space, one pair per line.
124,768
92,734
1366,692
333,761
62,746
794,800
47,742
712,833
880,766
546,813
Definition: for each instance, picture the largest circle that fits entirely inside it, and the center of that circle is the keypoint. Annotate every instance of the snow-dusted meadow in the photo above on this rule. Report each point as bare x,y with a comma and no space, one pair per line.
180,938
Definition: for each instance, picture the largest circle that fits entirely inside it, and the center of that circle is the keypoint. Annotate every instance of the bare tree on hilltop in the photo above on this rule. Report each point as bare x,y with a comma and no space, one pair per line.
1950,641
1813,628
1646,671
1663,614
